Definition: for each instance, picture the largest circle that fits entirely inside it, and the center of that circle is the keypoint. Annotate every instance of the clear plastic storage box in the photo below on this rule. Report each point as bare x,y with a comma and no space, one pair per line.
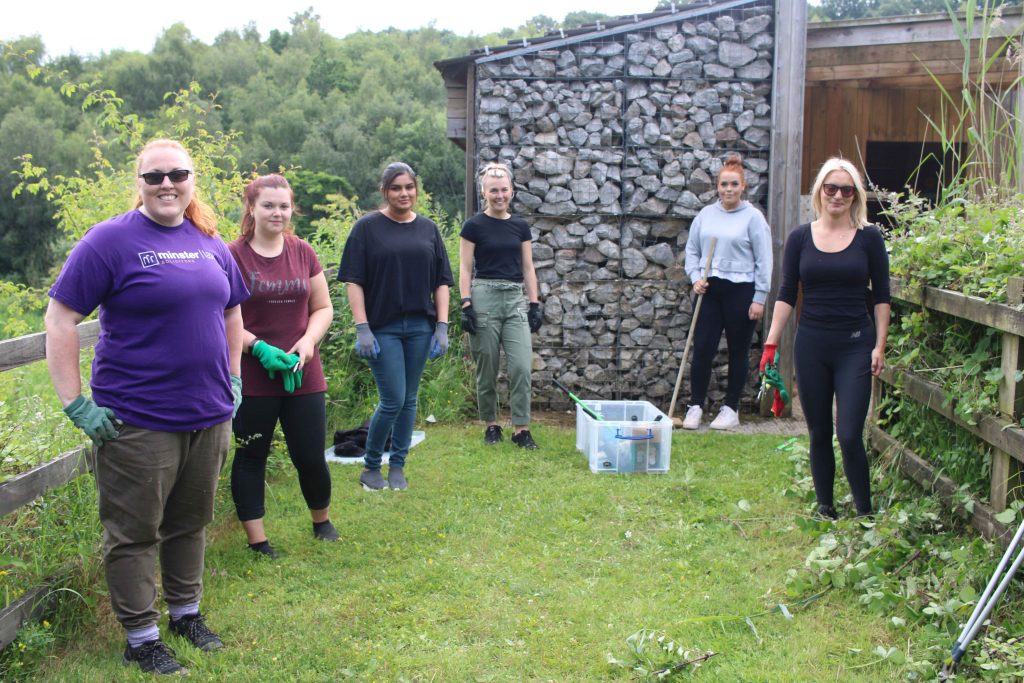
631,437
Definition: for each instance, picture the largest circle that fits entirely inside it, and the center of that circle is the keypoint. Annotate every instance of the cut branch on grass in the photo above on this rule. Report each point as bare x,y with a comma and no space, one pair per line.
675,668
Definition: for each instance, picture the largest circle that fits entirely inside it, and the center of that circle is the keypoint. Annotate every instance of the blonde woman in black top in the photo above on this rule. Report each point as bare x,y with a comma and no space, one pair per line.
496,256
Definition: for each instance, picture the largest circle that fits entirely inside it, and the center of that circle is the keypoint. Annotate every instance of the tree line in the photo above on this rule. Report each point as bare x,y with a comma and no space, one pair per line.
332,111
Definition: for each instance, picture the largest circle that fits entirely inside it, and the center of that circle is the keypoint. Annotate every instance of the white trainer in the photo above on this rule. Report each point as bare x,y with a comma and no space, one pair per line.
727,419
692,419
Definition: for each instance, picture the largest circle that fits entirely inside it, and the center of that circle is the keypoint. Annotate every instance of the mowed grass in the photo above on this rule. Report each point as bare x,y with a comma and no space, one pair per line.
504,565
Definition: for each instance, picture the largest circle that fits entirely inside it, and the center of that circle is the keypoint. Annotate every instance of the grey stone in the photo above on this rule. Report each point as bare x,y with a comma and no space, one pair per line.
706,98
638,51
718,71
552,163
701,44
660,254
758,70
734,54
749,27
559,209
744,120
633,262
584,191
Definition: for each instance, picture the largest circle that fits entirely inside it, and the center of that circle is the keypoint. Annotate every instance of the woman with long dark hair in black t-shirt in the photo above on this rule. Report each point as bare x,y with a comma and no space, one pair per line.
398,277
499,313
838,346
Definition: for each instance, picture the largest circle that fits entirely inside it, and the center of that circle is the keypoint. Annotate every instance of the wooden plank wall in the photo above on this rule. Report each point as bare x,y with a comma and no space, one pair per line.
841,120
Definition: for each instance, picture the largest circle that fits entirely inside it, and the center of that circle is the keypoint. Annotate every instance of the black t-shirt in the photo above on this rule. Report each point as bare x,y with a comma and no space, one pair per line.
835,284
498,246
398,265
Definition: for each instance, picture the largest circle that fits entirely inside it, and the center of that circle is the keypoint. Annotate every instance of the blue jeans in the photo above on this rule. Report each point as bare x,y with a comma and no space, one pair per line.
404,346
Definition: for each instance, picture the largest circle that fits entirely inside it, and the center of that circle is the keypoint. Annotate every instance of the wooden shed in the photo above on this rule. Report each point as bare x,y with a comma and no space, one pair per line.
873,85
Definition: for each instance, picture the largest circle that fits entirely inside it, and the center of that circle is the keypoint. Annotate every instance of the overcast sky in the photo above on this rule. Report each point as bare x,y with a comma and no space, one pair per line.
103,25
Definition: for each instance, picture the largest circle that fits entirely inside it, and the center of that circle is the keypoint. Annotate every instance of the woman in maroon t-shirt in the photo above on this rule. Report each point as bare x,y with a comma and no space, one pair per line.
286,317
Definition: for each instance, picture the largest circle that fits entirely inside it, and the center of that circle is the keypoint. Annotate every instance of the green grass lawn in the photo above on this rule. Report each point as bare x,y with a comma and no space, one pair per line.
504,565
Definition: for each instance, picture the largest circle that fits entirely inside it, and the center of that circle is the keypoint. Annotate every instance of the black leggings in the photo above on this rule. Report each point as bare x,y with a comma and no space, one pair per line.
304,423
726,307
836,363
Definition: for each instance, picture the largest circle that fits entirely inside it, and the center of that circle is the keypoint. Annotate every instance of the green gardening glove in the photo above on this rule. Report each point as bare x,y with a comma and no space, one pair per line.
236,393
292,380
272,358
96,422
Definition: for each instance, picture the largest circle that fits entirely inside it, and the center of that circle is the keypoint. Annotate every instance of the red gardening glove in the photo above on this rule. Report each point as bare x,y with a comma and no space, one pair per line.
768,356
777,404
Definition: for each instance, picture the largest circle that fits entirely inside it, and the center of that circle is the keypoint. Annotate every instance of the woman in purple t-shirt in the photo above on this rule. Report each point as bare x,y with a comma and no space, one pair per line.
285,319
165,383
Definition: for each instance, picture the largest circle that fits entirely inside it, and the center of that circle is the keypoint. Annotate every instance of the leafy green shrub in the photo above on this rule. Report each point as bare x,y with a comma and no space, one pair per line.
970,245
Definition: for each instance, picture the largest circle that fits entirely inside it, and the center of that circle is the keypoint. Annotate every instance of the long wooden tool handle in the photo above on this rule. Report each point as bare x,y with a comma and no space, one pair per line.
689,336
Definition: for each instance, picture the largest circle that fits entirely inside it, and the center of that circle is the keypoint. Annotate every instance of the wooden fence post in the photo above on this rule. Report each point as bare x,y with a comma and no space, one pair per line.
1006,472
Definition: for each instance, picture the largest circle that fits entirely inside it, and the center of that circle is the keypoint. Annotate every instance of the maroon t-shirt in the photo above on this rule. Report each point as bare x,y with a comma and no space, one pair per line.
278,311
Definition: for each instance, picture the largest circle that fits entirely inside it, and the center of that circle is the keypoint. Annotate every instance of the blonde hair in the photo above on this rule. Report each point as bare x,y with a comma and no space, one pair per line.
495,169
197,211
859,208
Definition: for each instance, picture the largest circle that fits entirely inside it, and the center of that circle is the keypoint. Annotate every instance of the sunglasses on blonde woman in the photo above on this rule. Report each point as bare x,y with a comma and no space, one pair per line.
178,175
845,190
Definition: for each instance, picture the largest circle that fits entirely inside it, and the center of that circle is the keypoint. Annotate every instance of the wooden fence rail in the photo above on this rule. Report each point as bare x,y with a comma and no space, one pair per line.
1000,431
21,490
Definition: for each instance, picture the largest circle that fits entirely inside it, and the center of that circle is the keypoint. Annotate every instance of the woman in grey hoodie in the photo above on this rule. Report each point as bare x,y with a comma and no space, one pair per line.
734,289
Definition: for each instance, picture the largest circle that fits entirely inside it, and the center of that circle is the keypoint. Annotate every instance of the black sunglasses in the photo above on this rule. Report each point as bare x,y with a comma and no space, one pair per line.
830,190
178,175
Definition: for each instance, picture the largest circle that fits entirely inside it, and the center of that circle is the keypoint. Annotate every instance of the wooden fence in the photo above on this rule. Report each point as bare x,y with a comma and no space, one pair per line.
1001,431
21,490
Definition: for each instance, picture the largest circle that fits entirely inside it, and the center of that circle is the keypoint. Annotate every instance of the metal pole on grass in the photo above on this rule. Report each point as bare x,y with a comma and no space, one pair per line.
988,599
689,336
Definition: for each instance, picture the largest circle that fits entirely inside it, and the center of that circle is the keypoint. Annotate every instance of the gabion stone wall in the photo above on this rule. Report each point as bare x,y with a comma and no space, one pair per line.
615,144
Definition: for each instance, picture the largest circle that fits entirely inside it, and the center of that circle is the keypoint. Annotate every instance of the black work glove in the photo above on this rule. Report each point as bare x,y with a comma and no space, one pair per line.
534,317
469,319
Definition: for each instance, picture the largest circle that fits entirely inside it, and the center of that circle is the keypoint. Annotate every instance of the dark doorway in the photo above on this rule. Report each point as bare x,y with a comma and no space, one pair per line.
894,166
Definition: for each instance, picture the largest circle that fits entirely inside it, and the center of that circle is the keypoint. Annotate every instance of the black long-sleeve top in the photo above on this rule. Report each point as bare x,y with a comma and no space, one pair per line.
835,285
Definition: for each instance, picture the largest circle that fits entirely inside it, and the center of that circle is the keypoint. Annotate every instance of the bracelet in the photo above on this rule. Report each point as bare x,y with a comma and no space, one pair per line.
253,343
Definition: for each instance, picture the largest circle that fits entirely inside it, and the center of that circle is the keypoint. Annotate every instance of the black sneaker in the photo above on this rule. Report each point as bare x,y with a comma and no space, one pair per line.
492,435
372,480
198,633
396,479
264,550
827,512
325,531
523,439
154,656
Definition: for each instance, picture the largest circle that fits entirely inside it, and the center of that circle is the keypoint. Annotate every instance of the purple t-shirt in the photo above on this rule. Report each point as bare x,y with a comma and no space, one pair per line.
162,356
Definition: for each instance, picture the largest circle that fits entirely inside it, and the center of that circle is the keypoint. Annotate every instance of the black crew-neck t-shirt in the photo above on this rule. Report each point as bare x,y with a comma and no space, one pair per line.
497,246
398,265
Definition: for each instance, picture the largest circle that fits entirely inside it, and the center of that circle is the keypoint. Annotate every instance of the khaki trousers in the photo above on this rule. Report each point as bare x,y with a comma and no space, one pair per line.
500,307
156,492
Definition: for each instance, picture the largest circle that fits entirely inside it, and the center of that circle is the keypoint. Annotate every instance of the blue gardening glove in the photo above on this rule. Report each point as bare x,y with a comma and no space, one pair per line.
439,342
469,319
272,358
366,343
96,422
534,317
236,393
